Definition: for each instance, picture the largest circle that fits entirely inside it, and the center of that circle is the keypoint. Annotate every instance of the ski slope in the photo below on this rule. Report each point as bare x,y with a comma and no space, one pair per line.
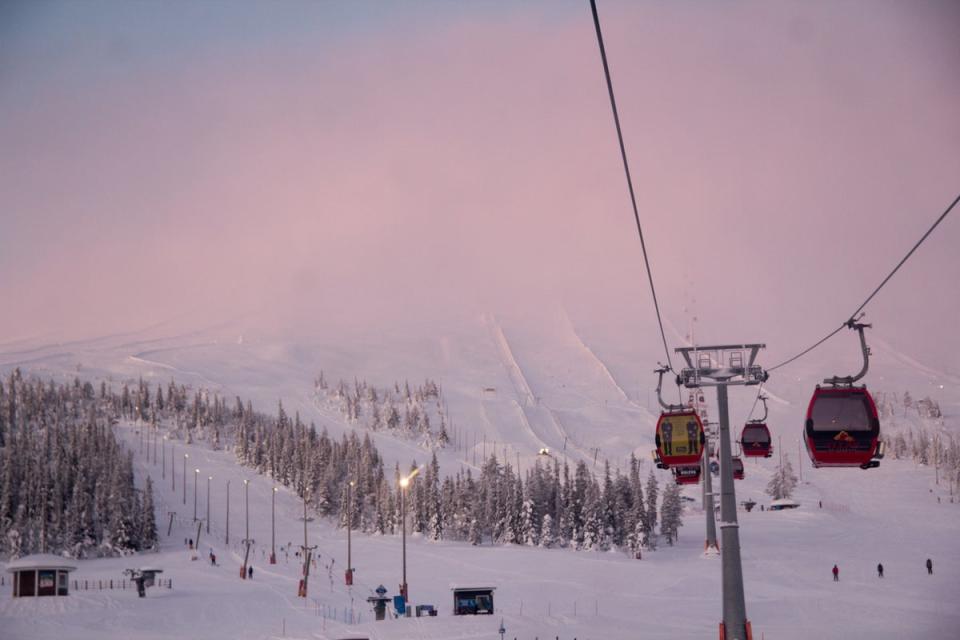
889,515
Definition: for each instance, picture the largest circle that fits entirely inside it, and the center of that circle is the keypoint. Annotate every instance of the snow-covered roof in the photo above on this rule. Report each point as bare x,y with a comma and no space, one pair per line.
40,561
460,587
786,502
153,569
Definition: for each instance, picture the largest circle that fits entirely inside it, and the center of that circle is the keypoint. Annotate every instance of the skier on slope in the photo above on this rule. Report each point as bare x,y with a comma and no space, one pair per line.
929,566
879,570
836,573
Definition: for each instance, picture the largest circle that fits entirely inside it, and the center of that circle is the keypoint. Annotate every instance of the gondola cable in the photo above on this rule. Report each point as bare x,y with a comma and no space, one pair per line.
853,316
626,169
849,322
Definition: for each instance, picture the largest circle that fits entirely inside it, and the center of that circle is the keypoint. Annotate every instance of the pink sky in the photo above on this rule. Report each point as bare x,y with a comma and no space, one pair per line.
785,157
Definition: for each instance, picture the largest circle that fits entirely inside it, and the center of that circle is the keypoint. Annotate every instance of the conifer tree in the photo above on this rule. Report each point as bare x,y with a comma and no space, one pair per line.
670,512
148,535
783,481
651,521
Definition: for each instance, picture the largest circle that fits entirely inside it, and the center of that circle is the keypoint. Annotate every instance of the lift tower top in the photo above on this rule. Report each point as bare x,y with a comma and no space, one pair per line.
725,364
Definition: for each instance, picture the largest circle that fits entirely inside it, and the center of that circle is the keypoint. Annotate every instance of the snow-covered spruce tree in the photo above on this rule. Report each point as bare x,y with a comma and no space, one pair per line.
576,502
622,505
148,527
529,532
671,511
593,530
783,481
609,515
564,527
546,532
650,526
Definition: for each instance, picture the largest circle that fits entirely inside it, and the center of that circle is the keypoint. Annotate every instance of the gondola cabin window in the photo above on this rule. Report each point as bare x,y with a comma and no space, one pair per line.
841,413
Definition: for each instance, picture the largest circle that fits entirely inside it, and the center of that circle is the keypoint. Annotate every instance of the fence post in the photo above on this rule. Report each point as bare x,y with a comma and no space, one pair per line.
111,584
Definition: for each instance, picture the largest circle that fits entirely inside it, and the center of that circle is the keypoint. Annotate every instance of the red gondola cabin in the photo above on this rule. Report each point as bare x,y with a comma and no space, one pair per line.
755,440
738,473
842,428
679,438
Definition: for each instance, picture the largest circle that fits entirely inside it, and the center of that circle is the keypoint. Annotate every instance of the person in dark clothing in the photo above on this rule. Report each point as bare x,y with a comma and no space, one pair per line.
929,566
250,572
879,570
836,573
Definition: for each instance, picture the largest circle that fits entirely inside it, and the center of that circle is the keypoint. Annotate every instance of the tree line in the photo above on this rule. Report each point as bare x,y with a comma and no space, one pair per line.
58,451
66,484
548,506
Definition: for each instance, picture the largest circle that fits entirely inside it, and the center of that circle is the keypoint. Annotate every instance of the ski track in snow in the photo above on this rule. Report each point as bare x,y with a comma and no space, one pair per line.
885,347
213,386
531,435
520,385
523,390
600,363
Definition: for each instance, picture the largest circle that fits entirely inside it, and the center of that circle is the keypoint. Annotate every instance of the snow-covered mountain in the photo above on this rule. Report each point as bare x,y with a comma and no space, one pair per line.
516,385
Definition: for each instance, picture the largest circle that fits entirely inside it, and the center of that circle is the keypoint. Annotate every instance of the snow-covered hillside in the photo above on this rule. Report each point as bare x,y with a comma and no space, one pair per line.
554,384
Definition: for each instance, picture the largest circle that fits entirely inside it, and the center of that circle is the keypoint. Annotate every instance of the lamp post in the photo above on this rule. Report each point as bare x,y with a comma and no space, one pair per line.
228,513
209,480
185,457
349,579
404,482
246,541
273,526
196,477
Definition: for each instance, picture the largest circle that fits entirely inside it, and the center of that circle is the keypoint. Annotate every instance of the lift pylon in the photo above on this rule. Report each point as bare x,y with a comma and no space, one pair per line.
722,366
